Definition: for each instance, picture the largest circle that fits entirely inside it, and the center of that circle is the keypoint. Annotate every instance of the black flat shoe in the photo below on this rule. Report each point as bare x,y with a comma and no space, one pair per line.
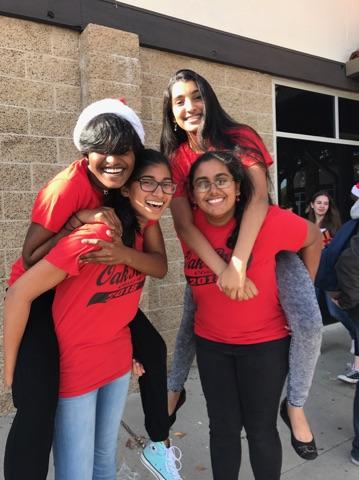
306,450
180,402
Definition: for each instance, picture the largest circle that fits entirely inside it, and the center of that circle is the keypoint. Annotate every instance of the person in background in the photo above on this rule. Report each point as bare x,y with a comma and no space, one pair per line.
326,280
347,268
323,212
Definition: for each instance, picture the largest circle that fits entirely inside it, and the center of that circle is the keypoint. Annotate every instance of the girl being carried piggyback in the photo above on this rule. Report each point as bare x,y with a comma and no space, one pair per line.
110,136
93,305
194,122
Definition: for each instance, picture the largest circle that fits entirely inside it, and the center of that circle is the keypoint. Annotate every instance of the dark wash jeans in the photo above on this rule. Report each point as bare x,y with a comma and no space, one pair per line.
242,385
36,385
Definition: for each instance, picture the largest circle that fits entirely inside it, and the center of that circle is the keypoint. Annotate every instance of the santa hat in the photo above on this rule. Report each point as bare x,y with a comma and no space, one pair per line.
107,105
355,190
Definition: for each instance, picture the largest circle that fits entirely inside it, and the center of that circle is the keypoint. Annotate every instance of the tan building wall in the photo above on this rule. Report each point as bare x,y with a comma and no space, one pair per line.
47,74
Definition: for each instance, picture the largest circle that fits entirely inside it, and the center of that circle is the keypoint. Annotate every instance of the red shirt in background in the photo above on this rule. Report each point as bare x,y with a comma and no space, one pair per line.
261,319
184,157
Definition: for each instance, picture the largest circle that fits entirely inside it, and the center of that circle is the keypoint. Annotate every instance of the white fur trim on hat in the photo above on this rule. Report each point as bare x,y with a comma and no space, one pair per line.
355,190
107,105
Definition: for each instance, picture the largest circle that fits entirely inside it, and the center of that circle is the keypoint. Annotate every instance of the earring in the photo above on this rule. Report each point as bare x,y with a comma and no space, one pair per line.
238,197
175,126
194,206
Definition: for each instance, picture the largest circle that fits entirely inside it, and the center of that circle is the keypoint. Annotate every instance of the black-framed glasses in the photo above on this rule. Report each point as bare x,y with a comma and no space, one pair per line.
204,185
150,185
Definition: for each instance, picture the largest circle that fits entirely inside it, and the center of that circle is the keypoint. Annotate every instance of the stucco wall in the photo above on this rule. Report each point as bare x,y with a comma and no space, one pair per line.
326,28
46,75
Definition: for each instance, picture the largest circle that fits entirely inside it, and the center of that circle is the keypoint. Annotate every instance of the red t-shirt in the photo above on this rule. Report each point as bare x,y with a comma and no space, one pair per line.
261,319
184,157
67,193
91,311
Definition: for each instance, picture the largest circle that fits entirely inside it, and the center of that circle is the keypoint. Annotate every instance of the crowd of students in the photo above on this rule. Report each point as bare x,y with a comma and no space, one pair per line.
72,327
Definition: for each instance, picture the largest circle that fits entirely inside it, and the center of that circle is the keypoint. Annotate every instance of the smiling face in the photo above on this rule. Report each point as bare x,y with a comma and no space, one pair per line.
218,204
320,205
149,205
187,105
110,171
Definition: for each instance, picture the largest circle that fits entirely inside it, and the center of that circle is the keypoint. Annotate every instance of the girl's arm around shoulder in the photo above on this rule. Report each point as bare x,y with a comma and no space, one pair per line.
312,249
233,279
151,261
39,240
41,277
155,261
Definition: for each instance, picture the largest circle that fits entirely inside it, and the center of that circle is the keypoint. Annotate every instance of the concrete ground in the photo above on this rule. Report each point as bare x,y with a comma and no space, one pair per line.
329,409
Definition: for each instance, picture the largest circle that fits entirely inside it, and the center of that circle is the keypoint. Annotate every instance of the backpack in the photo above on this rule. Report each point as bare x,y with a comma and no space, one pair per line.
326,278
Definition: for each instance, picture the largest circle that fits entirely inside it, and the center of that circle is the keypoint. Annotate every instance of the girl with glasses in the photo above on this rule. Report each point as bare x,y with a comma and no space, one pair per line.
110,137
93,305
194,122
242,347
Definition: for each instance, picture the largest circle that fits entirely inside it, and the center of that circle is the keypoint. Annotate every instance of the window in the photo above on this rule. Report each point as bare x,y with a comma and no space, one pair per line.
317,147
348,119
317,142
305,167
304,112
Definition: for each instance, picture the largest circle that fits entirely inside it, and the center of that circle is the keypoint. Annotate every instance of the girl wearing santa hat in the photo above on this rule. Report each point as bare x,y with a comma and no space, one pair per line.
110,136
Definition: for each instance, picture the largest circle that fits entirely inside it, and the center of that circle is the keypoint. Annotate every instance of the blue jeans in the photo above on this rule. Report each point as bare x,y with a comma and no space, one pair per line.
345,319
86,432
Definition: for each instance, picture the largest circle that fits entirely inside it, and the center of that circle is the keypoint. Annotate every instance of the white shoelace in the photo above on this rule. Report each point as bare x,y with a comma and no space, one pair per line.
173,461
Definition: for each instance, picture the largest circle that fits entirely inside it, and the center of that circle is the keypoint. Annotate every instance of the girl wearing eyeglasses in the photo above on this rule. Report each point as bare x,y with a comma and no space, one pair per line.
110,137
194,122
93,305
242,347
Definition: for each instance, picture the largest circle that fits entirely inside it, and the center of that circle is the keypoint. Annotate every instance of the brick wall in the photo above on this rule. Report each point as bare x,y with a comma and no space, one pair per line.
47,74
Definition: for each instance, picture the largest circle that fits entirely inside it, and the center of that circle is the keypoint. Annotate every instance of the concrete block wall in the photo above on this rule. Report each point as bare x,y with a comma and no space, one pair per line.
40,96
47,75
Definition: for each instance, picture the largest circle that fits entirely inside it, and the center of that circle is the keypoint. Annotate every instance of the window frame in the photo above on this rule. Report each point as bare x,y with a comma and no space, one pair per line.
299,136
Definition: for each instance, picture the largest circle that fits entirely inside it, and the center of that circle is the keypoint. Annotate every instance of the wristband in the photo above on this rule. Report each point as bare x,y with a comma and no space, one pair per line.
78,219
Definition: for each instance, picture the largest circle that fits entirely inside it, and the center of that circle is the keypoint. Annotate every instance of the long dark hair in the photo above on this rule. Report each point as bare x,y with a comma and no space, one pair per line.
122,205
331,220
109,134
215,130
231,161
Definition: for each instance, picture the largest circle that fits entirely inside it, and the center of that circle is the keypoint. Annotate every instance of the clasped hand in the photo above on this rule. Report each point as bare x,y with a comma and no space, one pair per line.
112,252
234,283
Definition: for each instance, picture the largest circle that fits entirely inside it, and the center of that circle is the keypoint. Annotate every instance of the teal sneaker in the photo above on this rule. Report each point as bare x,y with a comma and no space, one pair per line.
164,463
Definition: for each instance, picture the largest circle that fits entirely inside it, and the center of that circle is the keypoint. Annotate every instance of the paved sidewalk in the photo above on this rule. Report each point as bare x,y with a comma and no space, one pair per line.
329,410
